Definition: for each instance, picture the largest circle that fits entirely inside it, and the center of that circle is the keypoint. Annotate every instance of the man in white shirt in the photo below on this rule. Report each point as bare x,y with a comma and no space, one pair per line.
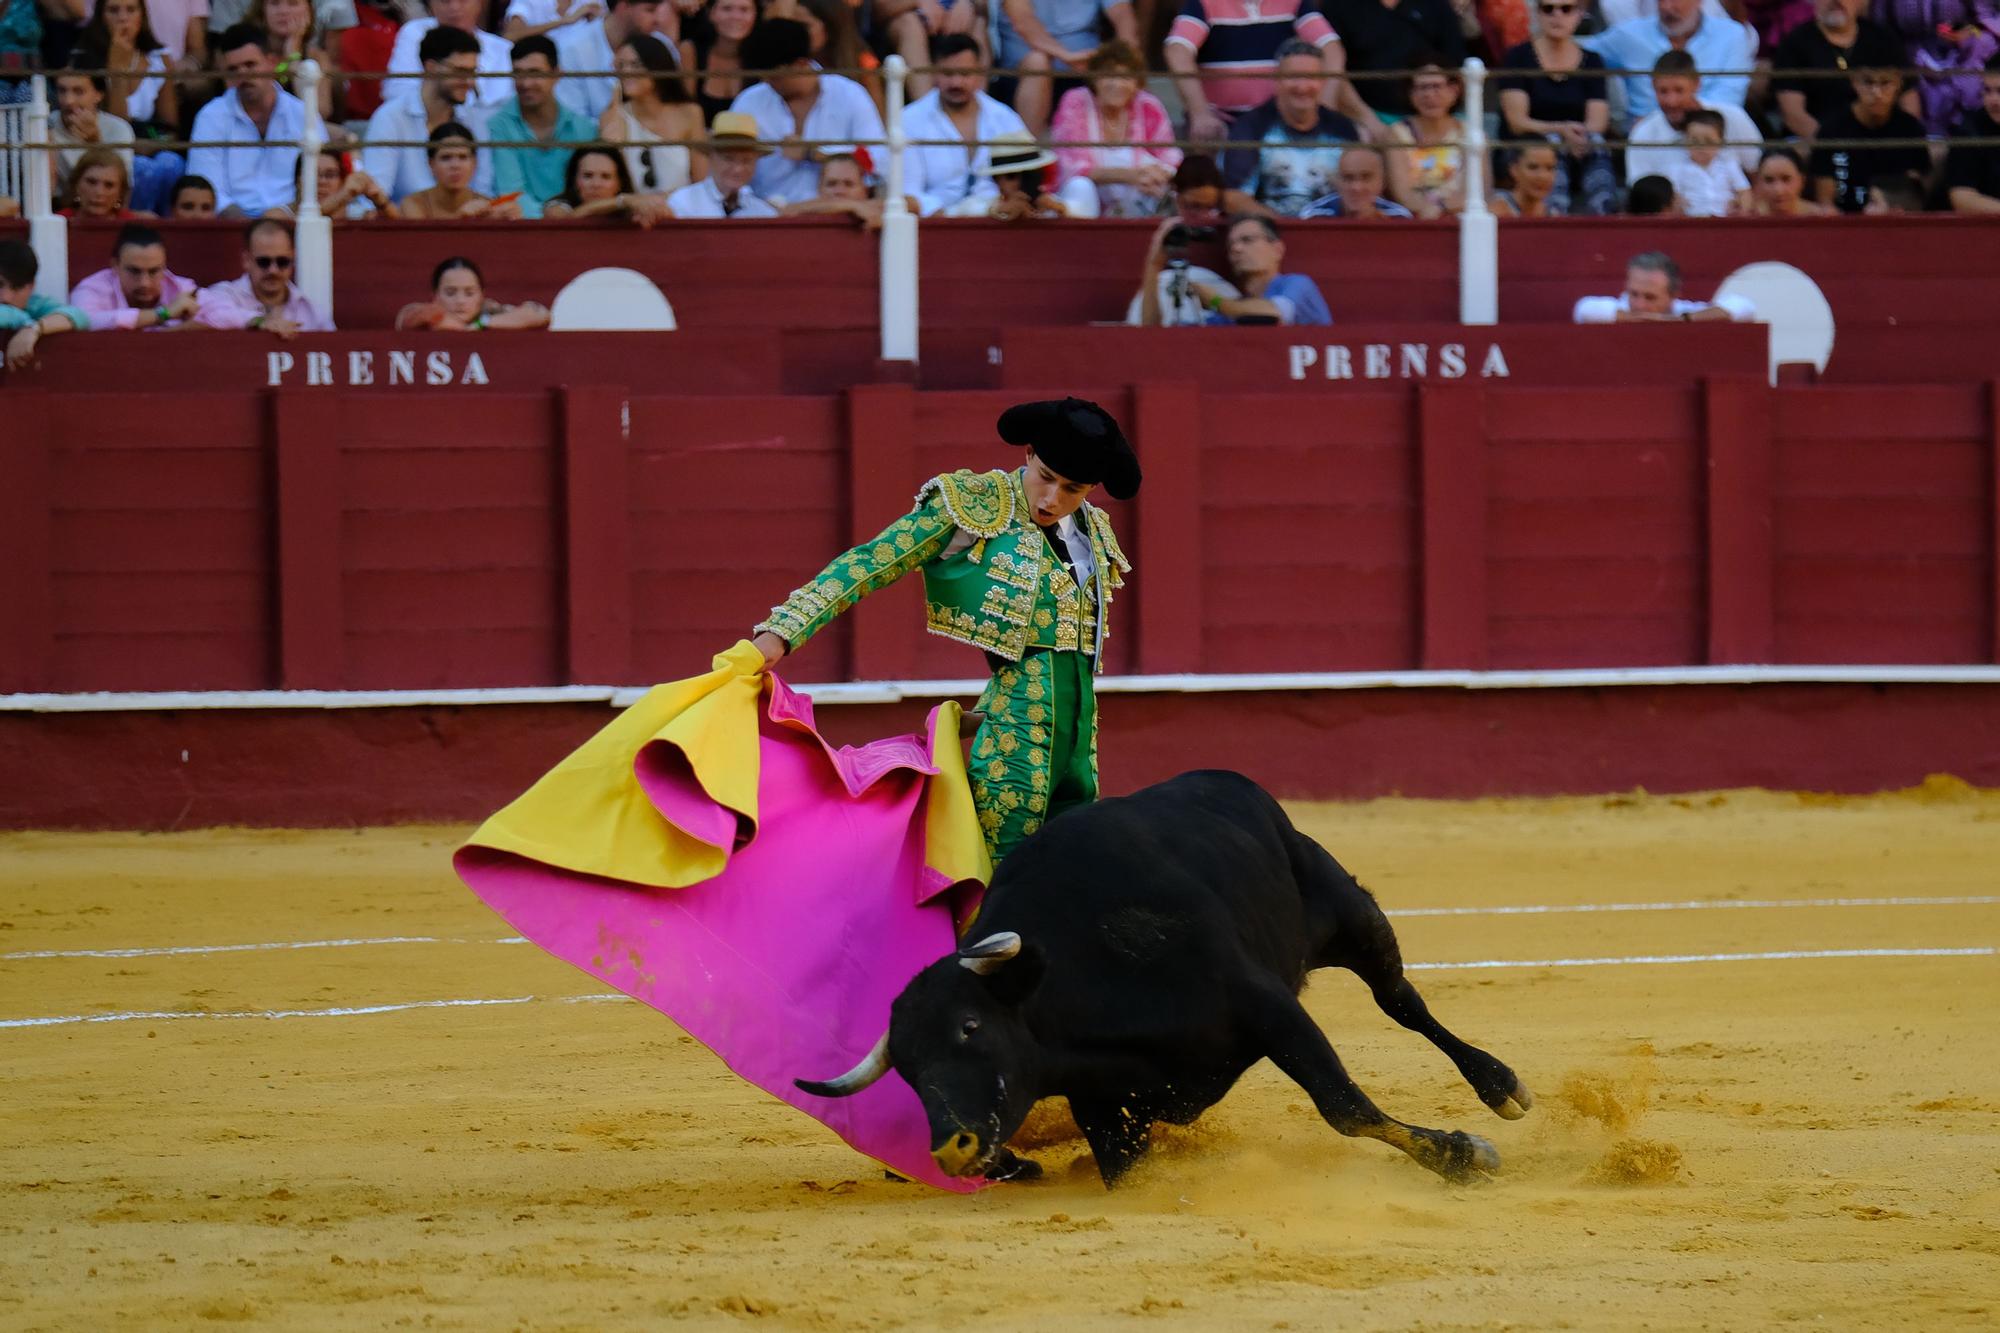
592,48
1652,295
496,54
1716,41
1653,147
256,113
725,192
798,106
450,63
941,175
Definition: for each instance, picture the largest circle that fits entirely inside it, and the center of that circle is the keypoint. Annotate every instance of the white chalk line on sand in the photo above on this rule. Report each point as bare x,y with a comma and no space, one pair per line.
162,1016
166,952
1534,909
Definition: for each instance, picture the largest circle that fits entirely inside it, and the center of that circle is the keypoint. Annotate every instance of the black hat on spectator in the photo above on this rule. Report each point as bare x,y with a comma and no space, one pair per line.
1076,438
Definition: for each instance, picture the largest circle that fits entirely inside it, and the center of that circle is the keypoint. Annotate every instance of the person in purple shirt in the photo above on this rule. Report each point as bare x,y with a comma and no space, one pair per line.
264,297
138,291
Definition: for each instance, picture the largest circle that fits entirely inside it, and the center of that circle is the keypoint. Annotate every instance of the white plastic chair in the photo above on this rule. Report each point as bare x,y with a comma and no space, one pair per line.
616,299
1791,303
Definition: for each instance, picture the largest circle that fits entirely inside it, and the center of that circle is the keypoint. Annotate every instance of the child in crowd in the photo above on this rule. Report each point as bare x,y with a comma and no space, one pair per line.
1710,182
25,317
1653,196
191,197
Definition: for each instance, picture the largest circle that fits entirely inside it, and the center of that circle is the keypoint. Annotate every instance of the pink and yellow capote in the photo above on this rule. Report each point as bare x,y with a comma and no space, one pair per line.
709,854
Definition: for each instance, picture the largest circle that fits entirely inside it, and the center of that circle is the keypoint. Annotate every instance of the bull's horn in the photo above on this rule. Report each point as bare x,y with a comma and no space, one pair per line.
990,952
873,1065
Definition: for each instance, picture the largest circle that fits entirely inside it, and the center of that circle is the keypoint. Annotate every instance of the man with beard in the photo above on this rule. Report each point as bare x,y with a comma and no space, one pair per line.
451,65
1680,25
138,291
1839,39
250,134
941,173
265,297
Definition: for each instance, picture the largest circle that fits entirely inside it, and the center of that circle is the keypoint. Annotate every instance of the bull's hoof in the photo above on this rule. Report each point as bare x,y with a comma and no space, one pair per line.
1516,1106
1470,1157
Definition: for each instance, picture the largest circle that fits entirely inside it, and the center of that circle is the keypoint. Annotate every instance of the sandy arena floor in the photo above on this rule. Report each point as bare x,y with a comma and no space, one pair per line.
1719,1144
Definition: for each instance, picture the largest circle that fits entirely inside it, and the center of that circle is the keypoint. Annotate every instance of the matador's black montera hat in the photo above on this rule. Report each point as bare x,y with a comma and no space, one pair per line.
1077,438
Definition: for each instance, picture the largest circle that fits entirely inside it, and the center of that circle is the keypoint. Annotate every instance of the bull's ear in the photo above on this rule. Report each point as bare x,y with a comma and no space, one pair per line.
1013,983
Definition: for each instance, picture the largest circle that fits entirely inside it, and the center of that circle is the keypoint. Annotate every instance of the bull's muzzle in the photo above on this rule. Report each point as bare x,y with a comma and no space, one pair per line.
958,1155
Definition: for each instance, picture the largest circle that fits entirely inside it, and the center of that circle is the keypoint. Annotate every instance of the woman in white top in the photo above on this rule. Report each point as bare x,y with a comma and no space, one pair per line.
119,40
651,109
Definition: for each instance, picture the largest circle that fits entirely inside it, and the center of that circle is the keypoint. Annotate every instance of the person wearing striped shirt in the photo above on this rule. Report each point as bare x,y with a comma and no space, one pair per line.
1239,40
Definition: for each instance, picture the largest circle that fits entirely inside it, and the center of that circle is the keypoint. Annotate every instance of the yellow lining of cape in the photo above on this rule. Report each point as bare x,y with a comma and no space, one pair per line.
589,815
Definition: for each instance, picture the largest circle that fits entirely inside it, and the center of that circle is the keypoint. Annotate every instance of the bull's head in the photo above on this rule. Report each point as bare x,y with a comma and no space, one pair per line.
956,1035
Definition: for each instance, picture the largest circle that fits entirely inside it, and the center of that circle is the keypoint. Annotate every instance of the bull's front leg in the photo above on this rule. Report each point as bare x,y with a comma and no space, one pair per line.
1118,1134
1286,1033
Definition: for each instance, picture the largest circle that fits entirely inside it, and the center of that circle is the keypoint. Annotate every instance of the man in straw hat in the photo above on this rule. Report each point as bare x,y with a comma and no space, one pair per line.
1019,166
1018,564
725,192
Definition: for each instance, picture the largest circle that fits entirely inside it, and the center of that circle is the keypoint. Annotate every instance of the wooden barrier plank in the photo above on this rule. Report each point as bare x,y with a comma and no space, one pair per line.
306,432
595,439
1452,468
1993,516
1738,424
1166,434
27,522
880,422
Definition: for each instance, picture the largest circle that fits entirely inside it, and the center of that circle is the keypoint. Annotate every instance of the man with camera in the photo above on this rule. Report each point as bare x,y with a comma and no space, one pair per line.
1262,294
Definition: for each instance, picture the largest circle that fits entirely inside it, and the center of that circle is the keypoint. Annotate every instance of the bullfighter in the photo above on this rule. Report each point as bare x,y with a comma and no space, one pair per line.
1020,565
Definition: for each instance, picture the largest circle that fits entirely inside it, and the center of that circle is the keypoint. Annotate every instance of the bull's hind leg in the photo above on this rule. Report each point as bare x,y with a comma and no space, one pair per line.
1355,935
1295,1044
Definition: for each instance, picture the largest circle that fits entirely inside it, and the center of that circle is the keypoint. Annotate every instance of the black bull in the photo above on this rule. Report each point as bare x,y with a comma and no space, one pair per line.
1136,956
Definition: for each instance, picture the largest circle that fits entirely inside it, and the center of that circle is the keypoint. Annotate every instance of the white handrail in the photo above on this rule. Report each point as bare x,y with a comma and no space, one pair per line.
312,237
48,234
898,278
1478,229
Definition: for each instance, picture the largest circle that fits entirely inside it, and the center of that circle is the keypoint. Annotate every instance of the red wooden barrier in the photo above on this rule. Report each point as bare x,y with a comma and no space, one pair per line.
382,536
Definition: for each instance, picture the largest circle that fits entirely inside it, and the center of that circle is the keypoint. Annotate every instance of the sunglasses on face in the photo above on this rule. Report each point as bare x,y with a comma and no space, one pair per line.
279,262
1558,9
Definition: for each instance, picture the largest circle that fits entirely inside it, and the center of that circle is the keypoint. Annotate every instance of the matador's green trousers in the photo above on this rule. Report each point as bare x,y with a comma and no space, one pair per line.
1035,755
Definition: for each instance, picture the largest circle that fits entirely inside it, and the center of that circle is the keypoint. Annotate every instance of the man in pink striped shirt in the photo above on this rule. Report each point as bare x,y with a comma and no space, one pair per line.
138,291
1240,39
264,297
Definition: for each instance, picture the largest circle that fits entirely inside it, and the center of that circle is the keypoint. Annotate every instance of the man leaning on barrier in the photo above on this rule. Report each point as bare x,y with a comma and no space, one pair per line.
1652,295
265,298
138,290
1264,294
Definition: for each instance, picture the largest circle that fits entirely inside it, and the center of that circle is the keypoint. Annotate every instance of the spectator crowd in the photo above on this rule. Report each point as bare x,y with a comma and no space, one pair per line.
1023,110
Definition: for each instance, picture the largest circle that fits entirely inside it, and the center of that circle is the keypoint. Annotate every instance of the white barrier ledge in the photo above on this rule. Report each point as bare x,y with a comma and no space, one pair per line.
891,691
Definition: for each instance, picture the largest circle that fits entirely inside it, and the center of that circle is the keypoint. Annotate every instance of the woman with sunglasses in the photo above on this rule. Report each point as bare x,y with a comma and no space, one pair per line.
1559,95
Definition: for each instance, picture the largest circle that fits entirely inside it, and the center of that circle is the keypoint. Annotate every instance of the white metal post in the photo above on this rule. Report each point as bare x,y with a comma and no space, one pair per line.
899,234
48,234
312,233
1478,229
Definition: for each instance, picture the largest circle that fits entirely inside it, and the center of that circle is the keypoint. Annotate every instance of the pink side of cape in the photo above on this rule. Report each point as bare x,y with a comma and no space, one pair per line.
786,962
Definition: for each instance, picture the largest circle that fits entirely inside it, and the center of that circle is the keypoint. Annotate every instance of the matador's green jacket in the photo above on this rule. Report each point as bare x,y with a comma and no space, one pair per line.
992,580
